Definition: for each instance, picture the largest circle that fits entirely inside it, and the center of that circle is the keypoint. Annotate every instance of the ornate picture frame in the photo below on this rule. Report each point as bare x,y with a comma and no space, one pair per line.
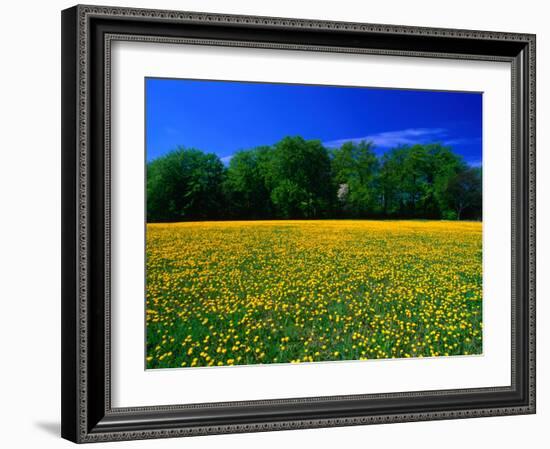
87,35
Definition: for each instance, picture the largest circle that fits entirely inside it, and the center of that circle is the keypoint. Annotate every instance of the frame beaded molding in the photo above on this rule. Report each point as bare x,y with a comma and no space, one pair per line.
84,13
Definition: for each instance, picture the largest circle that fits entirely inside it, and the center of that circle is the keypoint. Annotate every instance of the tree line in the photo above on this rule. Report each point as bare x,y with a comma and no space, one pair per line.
302,179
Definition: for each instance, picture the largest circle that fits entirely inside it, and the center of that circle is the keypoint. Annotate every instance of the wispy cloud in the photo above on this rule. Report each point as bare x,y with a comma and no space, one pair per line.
463,141
388,139
475,163
226,159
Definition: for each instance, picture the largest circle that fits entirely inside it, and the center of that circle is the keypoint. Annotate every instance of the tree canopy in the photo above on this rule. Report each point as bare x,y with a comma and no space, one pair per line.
298,178
185,184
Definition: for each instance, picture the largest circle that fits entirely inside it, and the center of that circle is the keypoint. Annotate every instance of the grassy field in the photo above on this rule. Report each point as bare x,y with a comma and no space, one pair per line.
234,293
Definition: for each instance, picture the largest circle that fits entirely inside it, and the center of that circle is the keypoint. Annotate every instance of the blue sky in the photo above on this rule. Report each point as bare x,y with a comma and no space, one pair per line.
223,117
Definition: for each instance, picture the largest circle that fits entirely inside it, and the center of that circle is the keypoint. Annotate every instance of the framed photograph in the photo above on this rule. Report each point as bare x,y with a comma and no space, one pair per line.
275,223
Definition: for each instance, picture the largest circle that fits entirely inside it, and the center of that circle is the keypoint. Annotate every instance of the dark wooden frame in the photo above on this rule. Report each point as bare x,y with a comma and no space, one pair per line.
87,32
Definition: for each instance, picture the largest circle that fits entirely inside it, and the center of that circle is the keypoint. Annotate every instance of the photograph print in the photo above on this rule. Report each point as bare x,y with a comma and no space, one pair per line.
293,223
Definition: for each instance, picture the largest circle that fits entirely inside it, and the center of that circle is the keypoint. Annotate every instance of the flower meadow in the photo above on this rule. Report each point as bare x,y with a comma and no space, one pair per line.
253,292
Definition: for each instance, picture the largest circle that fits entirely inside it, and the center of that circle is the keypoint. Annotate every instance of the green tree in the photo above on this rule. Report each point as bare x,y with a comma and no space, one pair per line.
464,192
298,175
291,200
184,184
444,165
413,180
296,178
245,185
354,168
391,181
